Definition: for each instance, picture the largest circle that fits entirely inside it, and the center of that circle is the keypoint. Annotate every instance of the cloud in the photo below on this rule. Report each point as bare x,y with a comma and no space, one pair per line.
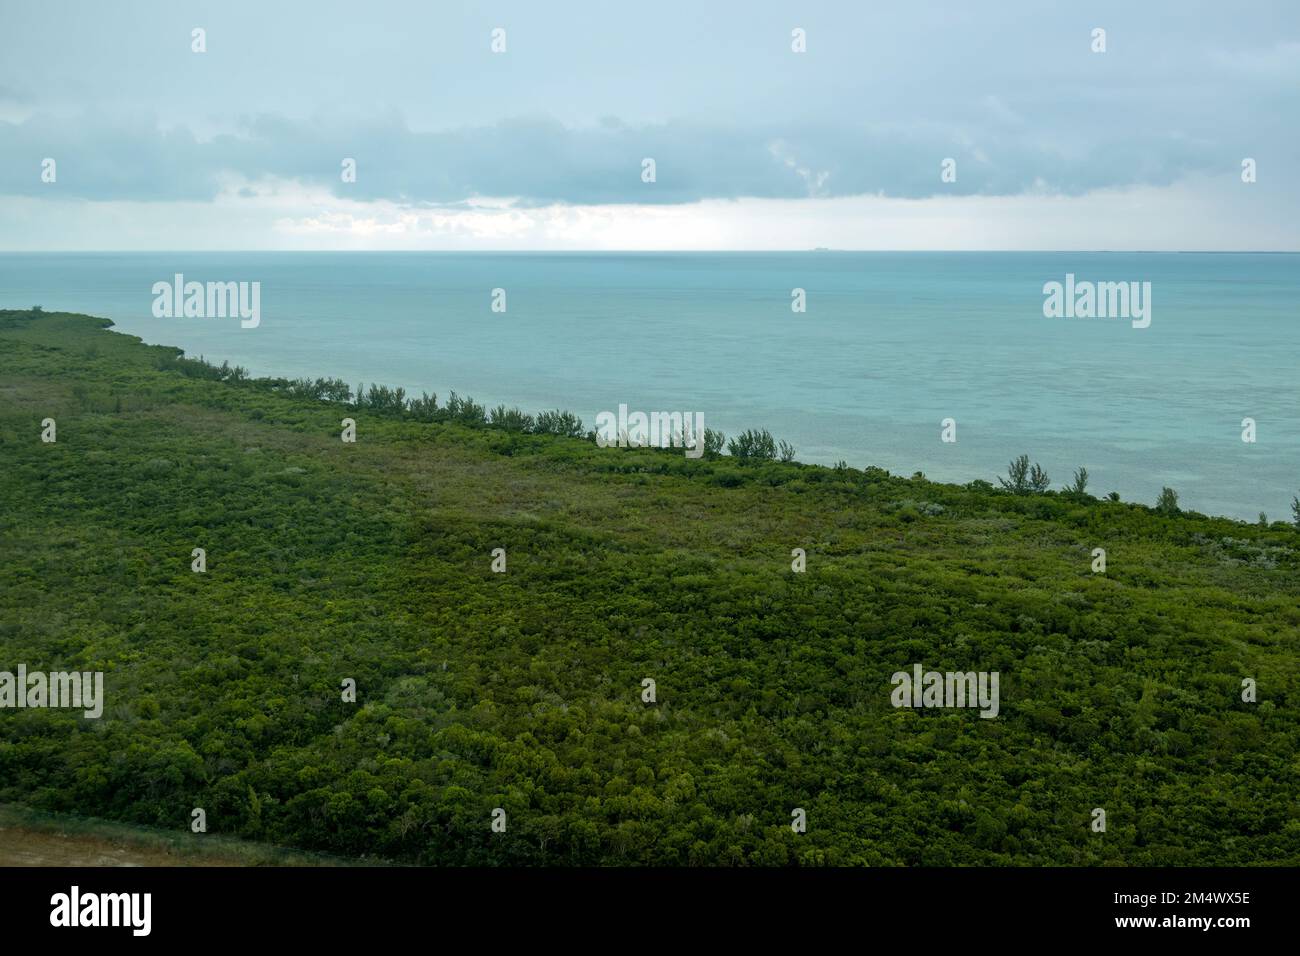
1200,213
541,161
247,140
1279,62
16,105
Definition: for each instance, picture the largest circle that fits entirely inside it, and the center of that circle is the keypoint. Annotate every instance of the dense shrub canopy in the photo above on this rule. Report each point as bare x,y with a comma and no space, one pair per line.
523,690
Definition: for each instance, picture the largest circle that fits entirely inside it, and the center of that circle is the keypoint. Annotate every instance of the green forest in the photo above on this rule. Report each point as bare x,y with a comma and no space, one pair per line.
522,691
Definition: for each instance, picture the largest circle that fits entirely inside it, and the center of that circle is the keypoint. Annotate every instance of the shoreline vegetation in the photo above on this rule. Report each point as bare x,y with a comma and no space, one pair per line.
752,446
521,691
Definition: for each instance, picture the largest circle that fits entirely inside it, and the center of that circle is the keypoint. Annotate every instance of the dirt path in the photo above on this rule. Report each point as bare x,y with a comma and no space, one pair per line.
22,847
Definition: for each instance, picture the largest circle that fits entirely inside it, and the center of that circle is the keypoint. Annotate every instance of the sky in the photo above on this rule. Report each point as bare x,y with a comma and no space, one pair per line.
542,145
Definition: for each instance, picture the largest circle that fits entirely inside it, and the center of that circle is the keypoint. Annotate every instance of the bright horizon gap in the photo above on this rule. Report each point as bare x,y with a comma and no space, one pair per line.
1195,214
654,252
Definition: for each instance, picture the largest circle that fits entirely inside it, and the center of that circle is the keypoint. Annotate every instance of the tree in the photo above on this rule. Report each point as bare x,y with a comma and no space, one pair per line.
1079,487
511,419
1038,480
557,422
424,408
1017,481
1167,504
1021,479
1295,510
713,442
753,445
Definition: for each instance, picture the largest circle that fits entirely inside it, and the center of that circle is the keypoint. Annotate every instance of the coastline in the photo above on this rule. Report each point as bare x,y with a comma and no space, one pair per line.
890,347
206,368
769,602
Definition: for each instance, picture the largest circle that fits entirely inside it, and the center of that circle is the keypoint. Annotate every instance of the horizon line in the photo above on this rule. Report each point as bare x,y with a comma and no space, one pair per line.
1211,252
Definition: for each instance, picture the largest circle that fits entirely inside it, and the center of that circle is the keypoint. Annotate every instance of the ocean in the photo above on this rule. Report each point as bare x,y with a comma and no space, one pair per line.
890,345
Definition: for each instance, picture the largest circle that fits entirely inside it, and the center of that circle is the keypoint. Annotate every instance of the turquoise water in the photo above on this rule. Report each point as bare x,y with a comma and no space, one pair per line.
891,344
